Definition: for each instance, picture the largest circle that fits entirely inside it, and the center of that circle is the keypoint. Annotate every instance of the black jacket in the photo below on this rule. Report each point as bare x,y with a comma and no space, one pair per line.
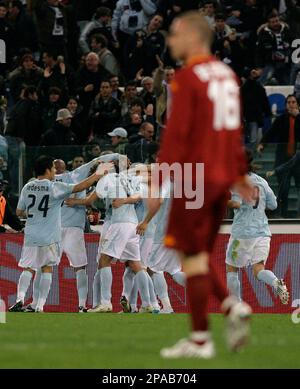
105,115
255,102
59,135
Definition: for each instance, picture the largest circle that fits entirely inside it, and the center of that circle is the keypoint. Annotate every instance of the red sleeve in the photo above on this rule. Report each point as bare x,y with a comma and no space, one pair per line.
175,141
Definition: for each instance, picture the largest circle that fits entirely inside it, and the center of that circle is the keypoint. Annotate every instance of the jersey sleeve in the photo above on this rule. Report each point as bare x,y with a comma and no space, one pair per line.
271,201
61,190
236,197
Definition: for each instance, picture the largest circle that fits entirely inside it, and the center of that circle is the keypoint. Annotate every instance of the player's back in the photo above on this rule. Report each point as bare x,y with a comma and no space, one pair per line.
113,186
206,125
72,216
250,220
42,200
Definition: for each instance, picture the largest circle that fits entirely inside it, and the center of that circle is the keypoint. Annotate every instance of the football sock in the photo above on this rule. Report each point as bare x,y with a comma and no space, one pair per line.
128,277
82,286
161,289
45,284
106,284
134,293
267,277
96,288
233,284
218,287
198,289
36,288
142,283
180,278
152,294
23,285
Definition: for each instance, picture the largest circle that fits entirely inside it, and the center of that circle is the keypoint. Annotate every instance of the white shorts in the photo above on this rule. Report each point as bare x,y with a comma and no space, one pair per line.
122,242
163,259
35,257
146,245
73,245
105,227
246,252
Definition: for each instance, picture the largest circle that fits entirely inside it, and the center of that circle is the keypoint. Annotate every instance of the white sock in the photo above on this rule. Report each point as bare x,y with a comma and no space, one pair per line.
152,293
161,288
36,288
134,293
142,283
128,277
82,286
45,284
233,284
23,285
96,289
268,277
180,278
106,284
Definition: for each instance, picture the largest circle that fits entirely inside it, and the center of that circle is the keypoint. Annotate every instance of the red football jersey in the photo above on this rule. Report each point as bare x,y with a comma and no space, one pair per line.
204,124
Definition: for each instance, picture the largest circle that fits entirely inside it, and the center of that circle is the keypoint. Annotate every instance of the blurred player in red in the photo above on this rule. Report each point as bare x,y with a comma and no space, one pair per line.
203,127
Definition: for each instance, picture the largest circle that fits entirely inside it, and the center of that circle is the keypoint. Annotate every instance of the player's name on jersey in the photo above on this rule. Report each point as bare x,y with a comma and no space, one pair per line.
38,188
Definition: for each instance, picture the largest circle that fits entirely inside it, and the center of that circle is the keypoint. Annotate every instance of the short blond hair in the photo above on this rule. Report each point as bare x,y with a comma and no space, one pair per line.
197,22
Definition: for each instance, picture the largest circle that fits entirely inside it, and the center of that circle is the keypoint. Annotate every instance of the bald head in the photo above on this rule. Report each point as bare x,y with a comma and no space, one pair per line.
60,166
190,34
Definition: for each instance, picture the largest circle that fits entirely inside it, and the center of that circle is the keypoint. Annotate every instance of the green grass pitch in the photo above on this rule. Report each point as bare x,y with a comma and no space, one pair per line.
53,340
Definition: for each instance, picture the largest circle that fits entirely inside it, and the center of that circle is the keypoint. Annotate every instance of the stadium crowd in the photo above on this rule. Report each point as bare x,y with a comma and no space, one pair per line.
81,77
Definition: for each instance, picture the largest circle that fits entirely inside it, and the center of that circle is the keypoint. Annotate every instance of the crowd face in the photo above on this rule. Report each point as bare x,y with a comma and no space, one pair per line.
114,82
220,24
33,96
115,140
274,24
95,45
169,75
105,20
53,98
209,9
77,161
291,103
28,63
72,106
3,12
105,90
13,11
148,132
66,122
155,23
130,92
92,62
148,85
95,151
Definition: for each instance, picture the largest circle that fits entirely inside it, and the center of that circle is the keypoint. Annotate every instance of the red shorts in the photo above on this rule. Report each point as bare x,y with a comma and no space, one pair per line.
195,230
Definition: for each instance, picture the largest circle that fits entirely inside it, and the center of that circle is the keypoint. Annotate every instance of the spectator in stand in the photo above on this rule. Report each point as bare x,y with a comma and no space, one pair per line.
256,107
130,92
209,12
162,80
77,161
221,32
153,148
89,79
147,93
56,74
105,112
49,110
51,18
25,33
143,46
99,45
23,127
79,125
92,150
7,216
138,144
233,52
136,115
61,135
6,34
285,131
116,92
101,24
273,50
128,17
24,75
119,140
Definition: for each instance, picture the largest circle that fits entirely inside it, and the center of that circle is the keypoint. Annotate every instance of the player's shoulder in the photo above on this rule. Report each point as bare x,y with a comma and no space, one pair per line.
256,179
212,69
